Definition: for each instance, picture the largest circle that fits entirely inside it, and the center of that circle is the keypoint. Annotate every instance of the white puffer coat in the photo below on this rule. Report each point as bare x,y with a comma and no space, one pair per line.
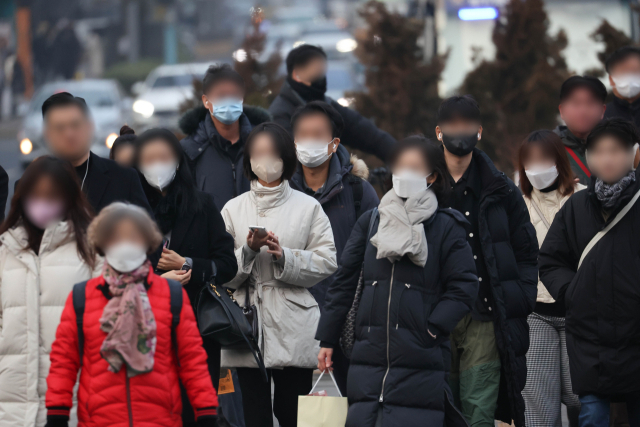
288,314
33,291
549,203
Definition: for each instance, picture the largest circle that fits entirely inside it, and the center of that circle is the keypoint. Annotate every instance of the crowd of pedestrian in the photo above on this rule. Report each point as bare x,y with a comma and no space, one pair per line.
457,299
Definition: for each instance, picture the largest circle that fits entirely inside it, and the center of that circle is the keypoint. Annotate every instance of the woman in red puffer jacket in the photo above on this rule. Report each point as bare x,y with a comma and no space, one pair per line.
130,369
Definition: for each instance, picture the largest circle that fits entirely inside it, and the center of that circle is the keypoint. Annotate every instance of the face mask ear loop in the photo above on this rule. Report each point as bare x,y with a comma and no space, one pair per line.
426,177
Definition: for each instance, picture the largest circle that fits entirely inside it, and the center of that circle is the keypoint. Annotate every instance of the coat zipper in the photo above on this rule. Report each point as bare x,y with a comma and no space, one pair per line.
384,379
129,400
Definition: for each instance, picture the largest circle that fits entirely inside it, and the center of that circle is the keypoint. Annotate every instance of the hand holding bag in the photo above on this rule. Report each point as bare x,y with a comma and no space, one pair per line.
322,411
221,319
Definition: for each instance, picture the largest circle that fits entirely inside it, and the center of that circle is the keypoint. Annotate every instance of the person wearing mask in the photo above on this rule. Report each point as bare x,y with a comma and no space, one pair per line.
68,130
547,182
4,191
489,345
122,149
197,247
623,67
284,245
597,280
217,134
133,354
582,106
306,82
337,181
43,252
419,281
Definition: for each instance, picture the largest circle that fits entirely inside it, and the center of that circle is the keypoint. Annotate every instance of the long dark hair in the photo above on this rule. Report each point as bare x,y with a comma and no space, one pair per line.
182,197
78,210
127,137
283,144
552,146
433,157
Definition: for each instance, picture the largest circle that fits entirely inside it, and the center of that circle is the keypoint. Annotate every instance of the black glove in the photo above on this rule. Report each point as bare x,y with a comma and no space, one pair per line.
208,421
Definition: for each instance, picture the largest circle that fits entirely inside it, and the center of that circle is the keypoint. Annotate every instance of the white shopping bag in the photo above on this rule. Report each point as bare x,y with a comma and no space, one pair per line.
322,411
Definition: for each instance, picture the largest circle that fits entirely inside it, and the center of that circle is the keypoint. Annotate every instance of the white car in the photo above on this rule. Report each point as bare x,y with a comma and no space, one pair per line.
159,97
108,105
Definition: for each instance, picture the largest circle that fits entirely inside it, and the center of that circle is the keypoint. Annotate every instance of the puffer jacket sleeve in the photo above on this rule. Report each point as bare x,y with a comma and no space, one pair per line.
192,369
458,276
65,363
245,257
558,262
521,300
306,267
339,296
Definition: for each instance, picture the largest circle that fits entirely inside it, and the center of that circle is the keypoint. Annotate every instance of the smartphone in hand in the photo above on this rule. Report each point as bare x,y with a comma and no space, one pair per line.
258,230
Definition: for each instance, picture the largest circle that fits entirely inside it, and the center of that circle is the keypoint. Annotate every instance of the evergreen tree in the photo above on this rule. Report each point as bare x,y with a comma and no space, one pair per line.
402,88
612,38
518,89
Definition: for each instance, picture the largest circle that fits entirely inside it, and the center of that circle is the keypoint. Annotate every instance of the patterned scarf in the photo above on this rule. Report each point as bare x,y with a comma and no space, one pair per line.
609,194
129,322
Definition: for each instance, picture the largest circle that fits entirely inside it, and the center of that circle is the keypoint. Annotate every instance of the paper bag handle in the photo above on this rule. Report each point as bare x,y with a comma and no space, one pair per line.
334,382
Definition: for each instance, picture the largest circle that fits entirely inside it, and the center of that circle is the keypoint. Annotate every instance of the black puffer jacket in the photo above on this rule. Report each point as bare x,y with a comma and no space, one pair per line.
359,132
396,365
214,170
510,250
602,298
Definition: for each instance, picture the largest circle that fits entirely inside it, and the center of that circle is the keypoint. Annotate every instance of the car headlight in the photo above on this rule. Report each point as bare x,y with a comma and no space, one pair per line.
346,45
345,102
144,108
110,140
26,146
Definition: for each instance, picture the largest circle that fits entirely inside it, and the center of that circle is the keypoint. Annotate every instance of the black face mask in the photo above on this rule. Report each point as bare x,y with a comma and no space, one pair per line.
315,92
460,145
320,84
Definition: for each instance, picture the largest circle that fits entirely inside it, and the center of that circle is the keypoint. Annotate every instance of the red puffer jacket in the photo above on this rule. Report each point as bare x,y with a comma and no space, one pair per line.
146,400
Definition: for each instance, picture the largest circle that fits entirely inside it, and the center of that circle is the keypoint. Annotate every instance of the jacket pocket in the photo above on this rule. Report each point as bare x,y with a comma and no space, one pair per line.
300,297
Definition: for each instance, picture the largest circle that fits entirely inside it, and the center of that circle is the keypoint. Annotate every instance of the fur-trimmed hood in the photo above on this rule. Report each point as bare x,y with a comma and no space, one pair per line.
190,121
360,168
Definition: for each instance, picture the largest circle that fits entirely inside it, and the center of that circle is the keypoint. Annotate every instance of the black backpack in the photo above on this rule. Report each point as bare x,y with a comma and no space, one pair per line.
175,290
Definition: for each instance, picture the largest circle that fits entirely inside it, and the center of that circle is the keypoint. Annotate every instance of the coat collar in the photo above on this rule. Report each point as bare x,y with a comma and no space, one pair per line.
623,104
268,198
494,182
207,135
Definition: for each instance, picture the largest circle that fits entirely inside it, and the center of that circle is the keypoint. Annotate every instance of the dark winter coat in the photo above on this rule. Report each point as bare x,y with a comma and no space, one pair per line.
359,132
602,298
510,250
214,171
624,110
4,191
578,146
345,173
396,365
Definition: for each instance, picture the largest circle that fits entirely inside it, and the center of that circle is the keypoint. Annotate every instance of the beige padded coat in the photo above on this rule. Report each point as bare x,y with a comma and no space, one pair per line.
288,314
33,291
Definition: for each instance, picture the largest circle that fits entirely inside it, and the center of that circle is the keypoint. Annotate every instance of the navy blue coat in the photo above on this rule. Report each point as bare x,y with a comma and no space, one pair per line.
396,365
214,171
338,203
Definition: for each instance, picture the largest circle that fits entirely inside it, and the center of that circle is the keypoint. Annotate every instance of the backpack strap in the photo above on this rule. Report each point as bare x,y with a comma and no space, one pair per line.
175,291
579,161
78,306
358,193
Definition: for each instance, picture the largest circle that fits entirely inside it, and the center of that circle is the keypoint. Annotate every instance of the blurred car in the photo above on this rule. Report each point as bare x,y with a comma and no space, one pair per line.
160,95
109,106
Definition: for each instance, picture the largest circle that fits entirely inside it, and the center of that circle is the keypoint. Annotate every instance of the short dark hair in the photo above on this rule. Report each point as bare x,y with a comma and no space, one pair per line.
433,156
592,84
619,55
622,130
458,107
302,54
283,143
64,99
220,72
320,107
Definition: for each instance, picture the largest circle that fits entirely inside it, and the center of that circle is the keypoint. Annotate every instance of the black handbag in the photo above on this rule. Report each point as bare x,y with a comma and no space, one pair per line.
348,335
251,313
222,320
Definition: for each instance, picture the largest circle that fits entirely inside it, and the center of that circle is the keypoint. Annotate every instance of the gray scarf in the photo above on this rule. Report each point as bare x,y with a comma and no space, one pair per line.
401,231
609,194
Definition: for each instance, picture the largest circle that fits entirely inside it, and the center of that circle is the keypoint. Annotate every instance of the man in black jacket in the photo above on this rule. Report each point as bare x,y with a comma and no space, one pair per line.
599,283
216,133
4,191
68,130
335,179
623,67
306,81
489,345
581,107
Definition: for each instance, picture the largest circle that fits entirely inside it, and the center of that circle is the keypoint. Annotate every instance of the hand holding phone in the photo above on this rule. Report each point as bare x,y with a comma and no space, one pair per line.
257,237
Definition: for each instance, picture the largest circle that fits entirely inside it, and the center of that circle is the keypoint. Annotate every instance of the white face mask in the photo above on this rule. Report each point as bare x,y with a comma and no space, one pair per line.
312,153
627,85
267,168
407,183
160,174
541,177
126,256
